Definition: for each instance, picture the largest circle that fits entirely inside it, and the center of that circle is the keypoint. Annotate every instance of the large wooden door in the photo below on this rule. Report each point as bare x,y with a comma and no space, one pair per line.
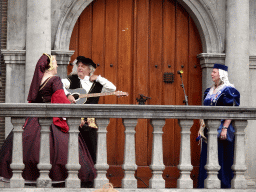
134,42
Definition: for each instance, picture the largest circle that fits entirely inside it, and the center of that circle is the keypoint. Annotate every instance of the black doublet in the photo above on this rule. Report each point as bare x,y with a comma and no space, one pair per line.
96,88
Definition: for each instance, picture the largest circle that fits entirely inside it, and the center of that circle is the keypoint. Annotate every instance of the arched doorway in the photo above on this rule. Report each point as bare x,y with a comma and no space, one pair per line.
135,43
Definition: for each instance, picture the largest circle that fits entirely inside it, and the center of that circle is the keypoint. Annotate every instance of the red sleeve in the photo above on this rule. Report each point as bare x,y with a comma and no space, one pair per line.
60,97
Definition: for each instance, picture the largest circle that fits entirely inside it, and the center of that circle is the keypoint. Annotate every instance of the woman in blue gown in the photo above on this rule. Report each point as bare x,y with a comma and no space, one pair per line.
222,93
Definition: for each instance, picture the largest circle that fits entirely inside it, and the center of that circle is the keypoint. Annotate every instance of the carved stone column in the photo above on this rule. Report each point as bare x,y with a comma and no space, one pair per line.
38,36
129,166
63,59
207,60
239,166
185,166
101,161
44,165
73,165
17,165
15,75
237,46
212,166
157,165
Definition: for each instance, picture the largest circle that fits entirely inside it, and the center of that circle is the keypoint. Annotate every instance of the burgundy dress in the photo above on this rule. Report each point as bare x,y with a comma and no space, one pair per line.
50,92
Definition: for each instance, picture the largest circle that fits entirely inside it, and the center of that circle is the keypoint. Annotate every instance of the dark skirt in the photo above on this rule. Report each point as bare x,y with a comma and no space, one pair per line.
58,154
225,157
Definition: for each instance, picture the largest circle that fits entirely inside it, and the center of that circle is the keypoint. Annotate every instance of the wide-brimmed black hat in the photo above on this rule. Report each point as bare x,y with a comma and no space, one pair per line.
85,61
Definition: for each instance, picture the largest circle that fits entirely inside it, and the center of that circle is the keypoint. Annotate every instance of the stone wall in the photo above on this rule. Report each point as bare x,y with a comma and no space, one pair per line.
4,4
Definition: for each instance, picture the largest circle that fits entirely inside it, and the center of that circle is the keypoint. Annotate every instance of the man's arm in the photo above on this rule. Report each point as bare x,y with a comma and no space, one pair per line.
107,85
66,85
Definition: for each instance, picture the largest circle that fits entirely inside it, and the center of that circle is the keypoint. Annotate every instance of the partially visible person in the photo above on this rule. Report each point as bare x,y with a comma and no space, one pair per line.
82,76
108,187
46,87
222,93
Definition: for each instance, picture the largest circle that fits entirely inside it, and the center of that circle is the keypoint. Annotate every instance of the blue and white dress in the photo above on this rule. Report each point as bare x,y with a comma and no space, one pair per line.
226,95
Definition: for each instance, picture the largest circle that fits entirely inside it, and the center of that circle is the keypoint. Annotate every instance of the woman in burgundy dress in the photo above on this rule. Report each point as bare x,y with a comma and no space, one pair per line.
46,88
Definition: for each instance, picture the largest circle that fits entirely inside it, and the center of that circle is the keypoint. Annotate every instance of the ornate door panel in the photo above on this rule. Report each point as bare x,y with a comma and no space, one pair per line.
134,43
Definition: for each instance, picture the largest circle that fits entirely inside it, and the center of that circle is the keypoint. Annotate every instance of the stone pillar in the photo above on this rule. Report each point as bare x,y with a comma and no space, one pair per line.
44,164
38,39
237,59
207,60
15,75
185,167
73,165
237,46
63,59
17,164
239,167
212,166
129,166
101,159
157,165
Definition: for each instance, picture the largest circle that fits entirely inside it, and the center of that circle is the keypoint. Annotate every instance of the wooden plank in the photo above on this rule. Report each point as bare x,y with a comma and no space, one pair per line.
85,32
111,40
181,64
124,68
155,62
141,75
170,175
115,175
110,54
194,91
125,51
98,35
155,53
143,175
74,45
169,31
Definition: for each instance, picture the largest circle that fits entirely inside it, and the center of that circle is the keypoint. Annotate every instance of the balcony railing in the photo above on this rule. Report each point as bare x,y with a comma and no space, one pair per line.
130,114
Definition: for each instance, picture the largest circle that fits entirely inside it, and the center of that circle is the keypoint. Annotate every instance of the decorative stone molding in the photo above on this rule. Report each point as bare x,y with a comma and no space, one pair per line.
252,60
14,56
206,25
130,114
207,60
63,59
67,23
198,9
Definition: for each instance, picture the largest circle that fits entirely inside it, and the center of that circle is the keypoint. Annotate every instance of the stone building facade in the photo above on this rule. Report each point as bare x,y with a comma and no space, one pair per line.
227,29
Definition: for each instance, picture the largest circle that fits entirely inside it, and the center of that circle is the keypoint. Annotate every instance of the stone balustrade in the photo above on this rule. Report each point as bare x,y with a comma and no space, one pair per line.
130,114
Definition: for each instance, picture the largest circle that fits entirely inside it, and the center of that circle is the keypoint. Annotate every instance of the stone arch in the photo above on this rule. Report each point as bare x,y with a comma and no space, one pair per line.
206,25
198,10
71,12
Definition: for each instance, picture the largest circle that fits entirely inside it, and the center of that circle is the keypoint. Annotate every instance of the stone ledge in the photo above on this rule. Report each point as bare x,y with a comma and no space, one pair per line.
121,190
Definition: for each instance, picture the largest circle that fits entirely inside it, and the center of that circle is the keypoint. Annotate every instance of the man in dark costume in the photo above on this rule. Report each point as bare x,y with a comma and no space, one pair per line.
82,77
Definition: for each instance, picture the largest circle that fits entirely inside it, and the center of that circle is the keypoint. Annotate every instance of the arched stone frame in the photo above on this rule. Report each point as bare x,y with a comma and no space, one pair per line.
198,10
72,11
206,25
